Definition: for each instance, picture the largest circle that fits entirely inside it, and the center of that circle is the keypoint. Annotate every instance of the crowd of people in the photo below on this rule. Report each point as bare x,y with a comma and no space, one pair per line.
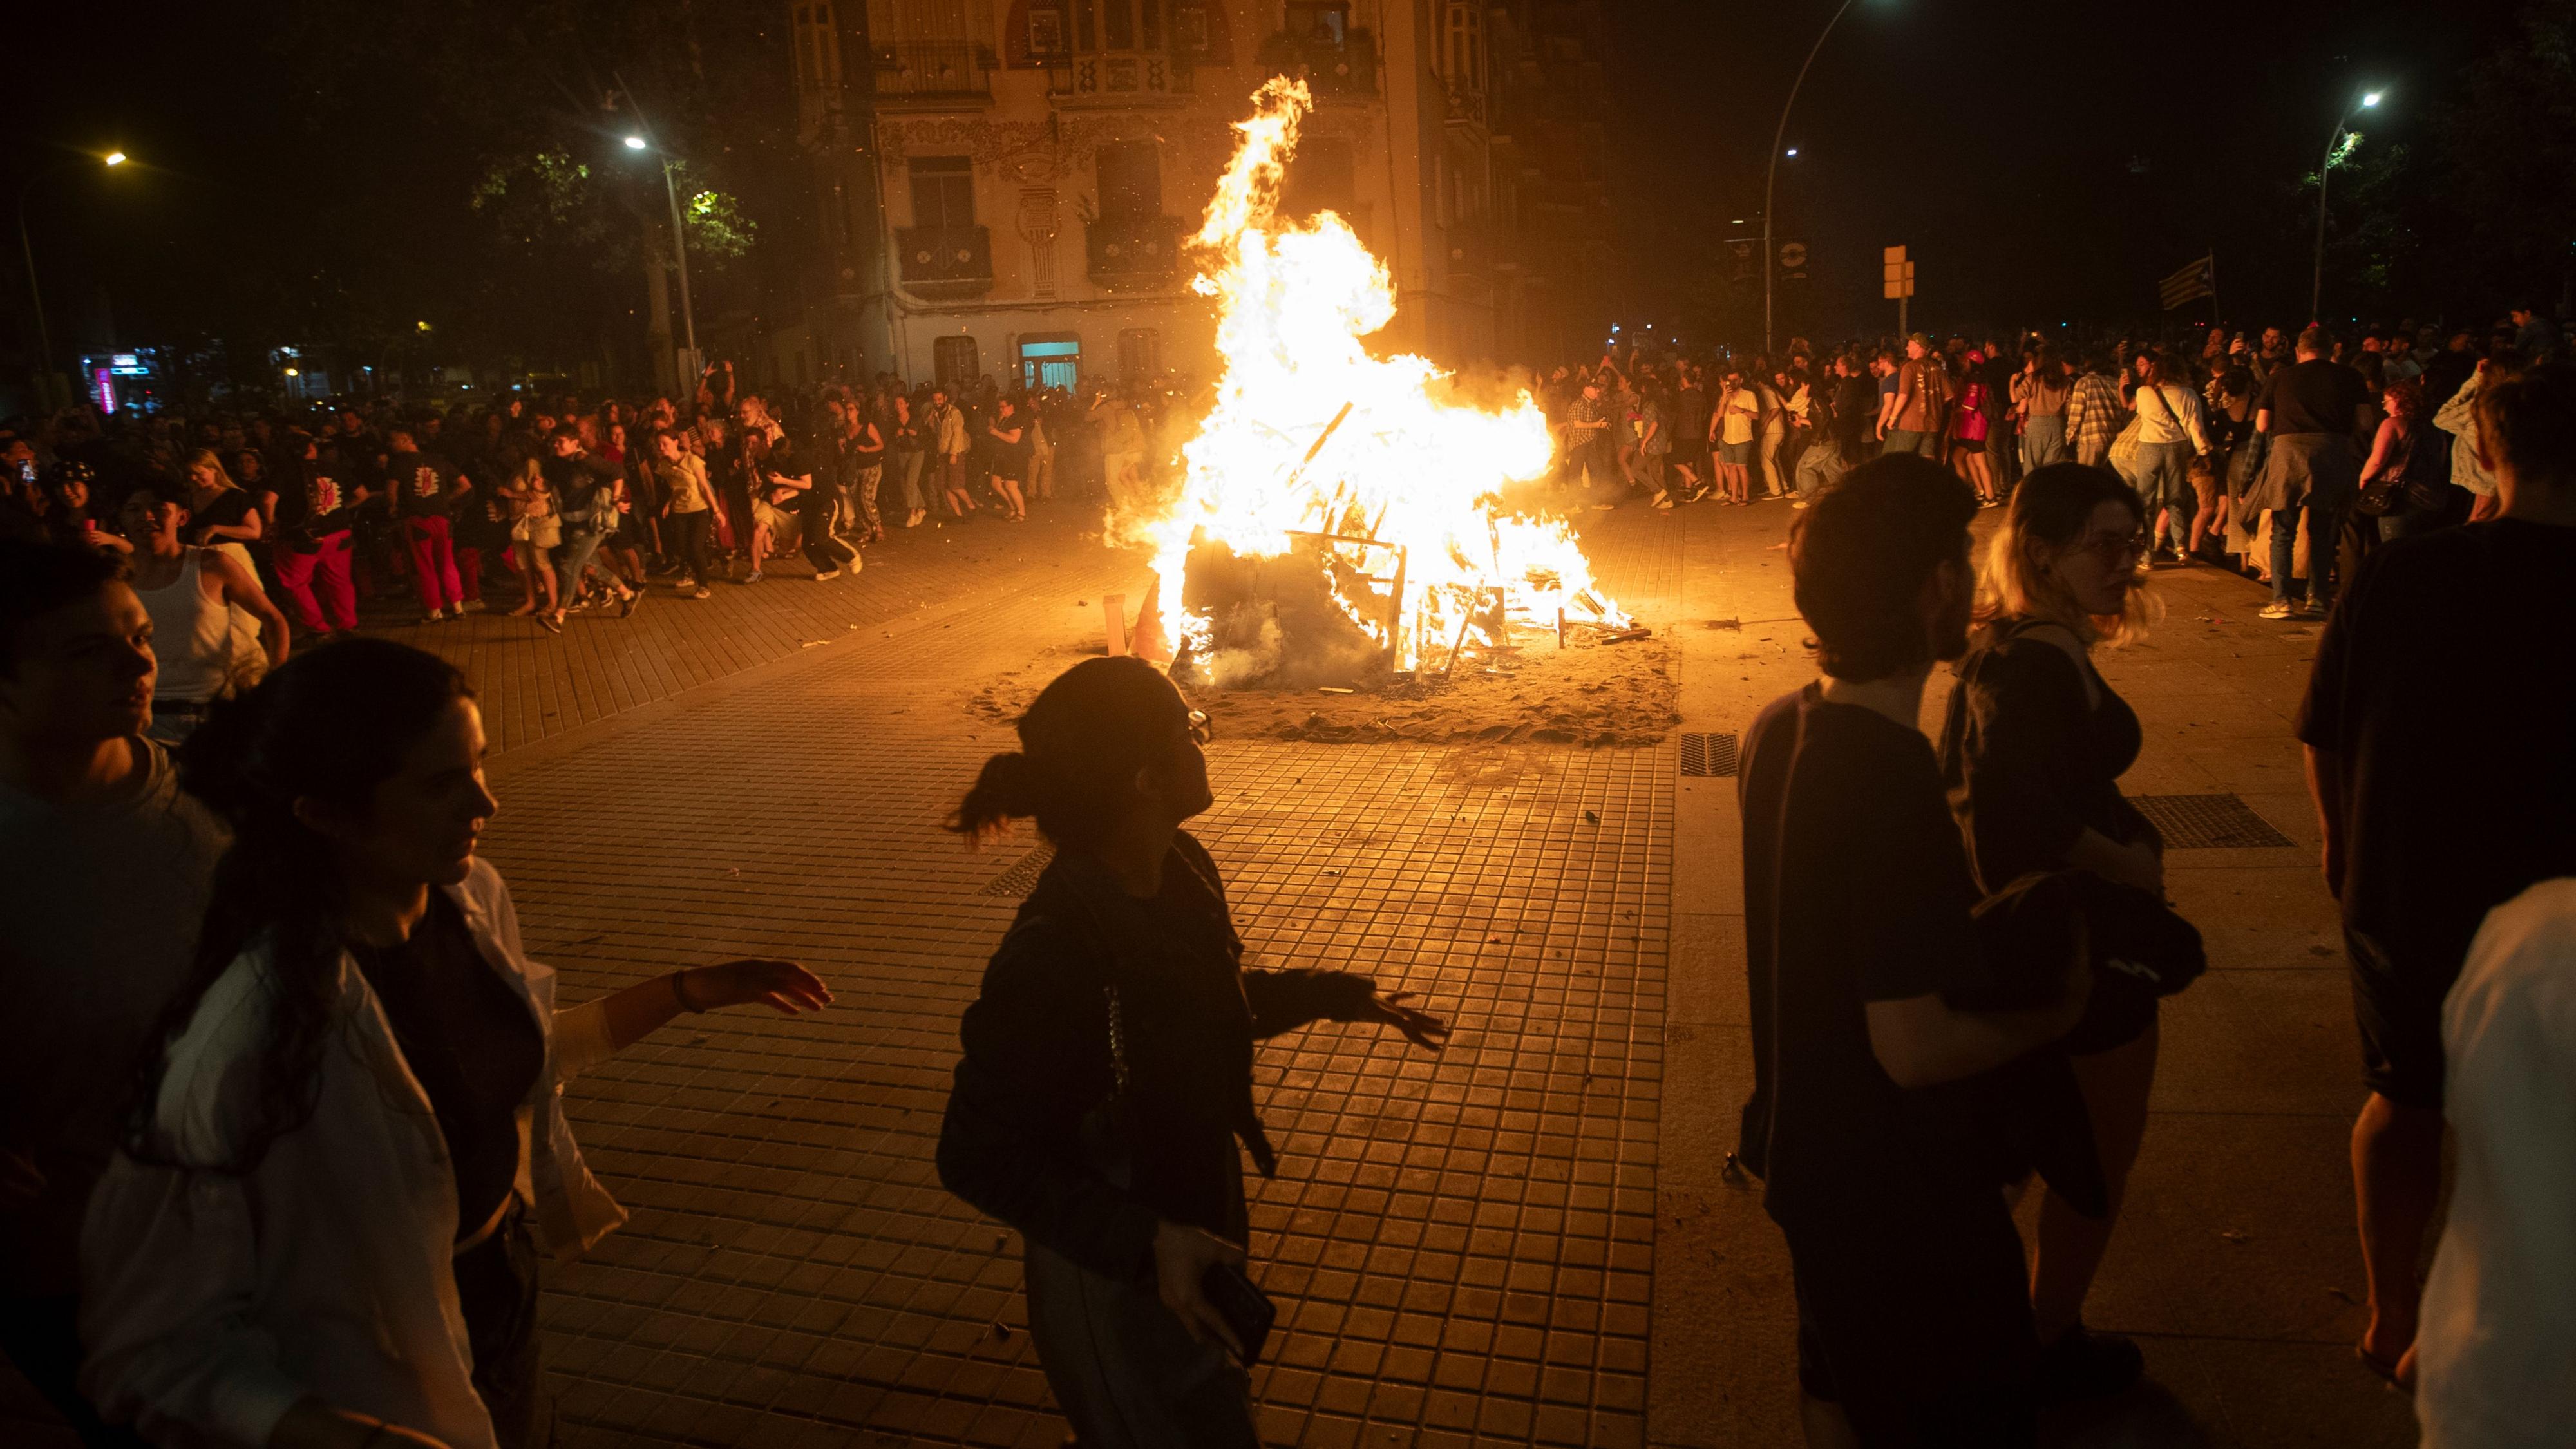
564,504
284,1139
2286,456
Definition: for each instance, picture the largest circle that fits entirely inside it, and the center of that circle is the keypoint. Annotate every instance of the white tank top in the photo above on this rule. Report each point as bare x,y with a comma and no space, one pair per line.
191,635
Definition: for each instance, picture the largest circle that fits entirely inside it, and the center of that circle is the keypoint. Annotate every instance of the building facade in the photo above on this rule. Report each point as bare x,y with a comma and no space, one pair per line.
1003,185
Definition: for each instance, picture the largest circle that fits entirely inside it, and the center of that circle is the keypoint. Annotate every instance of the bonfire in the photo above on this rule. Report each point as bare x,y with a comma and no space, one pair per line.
1401,503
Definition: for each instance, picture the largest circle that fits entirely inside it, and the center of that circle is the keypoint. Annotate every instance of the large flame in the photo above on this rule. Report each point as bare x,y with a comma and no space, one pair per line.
1310,435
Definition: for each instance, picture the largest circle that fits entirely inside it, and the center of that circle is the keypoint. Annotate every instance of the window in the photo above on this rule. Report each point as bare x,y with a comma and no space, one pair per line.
1320,178
1140,355
1131,179
943,192
1326,22
1051,359
954,363
1464,61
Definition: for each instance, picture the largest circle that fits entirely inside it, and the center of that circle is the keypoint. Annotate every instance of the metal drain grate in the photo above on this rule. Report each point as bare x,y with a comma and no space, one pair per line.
1022,877
2207,822
1708,755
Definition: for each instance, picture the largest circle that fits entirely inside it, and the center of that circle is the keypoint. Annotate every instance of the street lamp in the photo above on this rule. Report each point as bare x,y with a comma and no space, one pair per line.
27,248
2334,138
679,253
1770,173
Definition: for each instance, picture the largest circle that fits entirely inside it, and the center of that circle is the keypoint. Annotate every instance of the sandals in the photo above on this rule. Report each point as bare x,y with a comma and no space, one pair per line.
2392,1371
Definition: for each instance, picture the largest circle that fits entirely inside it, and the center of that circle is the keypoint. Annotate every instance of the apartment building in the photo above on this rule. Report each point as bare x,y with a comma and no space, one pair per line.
1002,186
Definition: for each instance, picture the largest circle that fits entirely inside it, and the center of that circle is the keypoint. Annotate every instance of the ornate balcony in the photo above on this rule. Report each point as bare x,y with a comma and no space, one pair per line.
1465,105
945,263
1119,78
1134,253
933,75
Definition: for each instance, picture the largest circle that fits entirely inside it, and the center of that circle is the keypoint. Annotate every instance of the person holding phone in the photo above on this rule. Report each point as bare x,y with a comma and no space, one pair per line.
1105,1093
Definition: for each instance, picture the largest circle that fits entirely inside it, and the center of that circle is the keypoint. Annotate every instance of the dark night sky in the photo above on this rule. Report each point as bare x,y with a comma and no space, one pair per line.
2043,160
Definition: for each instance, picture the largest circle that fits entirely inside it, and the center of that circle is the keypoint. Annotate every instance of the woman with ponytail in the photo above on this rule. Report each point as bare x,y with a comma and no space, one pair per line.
318,1231
1107,1075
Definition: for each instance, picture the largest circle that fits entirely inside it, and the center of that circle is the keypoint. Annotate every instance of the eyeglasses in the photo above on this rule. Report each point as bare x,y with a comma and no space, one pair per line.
2114,549
1199,728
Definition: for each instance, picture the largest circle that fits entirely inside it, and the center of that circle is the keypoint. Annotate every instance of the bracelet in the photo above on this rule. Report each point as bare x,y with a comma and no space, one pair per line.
680,993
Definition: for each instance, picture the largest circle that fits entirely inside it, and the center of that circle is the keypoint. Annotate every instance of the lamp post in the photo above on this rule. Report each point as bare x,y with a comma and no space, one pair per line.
679,251
1771,263
27,248
2334,138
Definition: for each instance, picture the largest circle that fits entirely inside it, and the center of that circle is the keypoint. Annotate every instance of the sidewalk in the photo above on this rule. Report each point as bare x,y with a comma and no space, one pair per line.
1524,1240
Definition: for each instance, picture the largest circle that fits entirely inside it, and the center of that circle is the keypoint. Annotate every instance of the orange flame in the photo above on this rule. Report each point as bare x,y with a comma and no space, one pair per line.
1395,456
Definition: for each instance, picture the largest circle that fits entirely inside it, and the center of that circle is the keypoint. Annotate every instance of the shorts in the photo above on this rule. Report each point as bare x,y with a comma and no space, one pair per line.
1967,445
1735,455
1916,1319
2399,1011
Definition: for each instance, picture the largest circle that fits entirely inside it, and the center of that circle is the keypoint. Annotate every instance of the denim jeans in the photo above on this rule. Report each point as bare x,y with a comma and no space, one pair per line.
2164,481
580,546
1819,466
2043,441
2322,520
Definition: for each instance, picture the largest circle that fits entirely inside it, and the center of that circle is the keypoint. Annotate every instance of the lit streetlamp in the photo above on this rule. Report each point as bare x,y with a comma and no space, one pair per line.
679,253
27,248
2334,138
1771,172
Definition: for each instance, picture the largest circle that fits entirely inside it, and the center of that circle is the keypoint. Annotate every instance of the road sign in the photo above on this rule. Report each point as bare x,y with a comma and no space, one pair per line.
1743,258
1898,273
1793,261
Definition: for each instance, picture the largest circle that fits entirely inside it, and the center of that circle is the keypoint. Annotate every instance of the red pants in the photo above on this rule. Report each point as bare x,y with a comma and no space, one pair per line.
317,584
444,574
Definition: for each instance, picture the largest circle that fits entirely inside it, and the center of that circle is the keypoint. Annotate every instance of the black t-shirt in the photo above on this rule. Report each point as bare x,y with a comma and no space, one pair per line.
419,483
2315,396
471,1043
225,510
1856,889
2446,682
582,487
1690,415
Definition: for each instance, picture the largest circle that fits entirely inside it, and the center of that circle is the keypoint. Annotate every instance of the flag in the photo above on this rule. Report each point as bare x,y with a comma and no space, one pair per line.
2194,281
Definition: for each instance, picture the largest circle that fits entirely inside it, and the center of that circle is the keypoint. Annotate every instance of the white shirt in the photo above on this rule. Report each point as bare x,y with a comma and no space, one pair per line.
2178,421
2459,418
2495,1358
211,1304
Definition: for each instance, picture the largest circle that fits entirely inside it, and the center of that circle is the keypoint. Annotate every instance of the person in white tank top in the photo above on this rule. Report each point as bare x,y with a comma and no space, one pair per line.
190,593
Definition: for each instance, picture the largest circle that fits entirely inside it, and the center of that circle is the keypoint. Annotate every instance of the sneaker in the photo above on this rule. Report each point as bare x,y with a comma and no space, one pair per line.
755,576
684,583
1797,503
434,616
470,606
2279,609
827,576
914,518
2316,608
1663,503
550,623
626,606
701,591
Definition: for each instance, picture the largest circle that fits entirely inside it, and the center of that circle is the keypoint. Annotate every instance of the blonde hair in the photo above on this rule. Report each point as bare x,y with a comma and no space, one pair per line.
209,458
2049,512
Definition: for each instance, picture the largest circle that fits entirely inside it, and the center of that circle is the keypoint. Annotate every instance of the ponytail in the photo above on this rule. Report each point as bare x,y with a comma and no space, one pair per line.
1082,742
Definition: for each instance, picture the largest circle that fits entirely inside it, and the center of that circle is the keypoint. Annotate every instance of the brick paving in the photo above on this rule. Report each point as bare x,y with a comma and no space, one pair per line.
1488,1246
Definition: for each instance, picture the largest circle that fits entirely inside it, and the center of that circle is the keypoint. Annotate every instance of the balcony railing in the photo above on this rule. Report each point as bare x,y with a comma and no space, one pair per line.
945,262
1119,77
1133,252
1466,105
934,73
1334,70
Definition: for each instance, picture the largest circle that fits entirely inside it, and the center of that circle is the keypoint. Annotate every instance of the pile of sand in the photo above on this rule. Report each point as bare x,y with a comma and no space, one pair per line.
1590,694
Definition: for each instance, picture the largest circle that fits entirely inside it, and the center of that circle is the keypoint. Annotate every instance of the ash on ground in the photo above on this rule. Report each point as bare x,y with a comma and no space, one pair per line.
1589,694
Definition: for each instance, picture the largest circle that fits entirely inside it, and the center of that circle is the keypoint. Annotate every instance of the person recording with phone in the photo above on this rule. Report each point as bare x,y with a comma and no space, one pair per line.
1107,1075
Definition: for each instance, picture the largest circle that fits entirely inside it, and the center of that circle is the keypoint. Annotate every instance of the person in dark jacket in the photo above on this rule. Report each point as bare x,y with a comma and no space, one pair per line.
1107,1076
2032,751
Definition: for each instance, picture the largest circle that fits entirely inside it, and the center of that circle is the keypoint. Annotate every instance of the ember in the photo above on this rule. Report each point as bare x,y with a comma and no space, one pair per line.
1343,514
